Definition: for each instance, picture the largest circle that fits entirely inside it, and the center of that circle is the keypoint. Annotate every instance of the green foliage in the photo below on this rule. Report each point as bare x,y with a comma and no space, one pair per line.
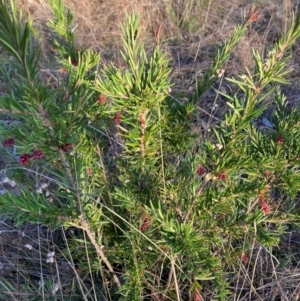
123,168
17,41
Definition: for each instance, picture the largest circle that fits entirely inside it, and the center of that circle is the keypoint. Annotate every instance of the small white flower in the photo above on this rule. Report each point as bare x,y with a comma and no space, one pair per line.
28,246
47,193
50,200
210,176
55,288
44,185
215,106
41,283
50,254
12,183
220,72
5,180
218,146
271,53
50,260
39,190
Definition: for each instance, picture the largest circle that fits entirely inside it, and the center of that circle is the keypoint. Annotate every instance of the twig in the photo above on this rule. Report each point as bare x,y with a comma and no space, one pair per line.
85,227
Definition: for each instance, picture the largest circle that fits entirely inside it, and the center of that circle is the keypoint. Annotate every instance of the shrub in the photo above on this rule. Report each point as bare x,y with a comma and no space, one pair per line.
158,211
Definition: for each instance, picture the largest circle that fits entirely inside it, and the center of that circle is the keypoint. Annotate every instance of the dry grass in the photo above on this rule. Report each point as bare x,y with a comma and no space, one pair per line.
191,31
24,257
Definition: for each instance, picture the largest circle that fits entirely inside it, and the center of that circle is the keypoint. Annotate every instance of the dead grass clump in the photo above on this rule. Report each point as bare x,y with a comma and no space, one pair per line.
31,261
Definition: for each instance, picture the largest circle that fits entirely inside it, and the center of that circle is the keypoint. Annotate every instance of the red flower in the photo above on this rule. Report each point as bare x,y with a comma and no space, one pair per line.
201,171
145,224
267,173
142,119
101,100
245,258
253,15
66,147
8,142
24,159
63,71
56,164
197,296
264,206
74,62
53,50
37,154
117,118
222,175
280,139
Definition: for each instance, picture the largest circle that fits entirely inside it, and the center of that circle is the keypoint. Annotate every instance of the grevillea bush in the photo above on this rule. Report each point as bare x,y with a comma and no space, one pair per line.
156,212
